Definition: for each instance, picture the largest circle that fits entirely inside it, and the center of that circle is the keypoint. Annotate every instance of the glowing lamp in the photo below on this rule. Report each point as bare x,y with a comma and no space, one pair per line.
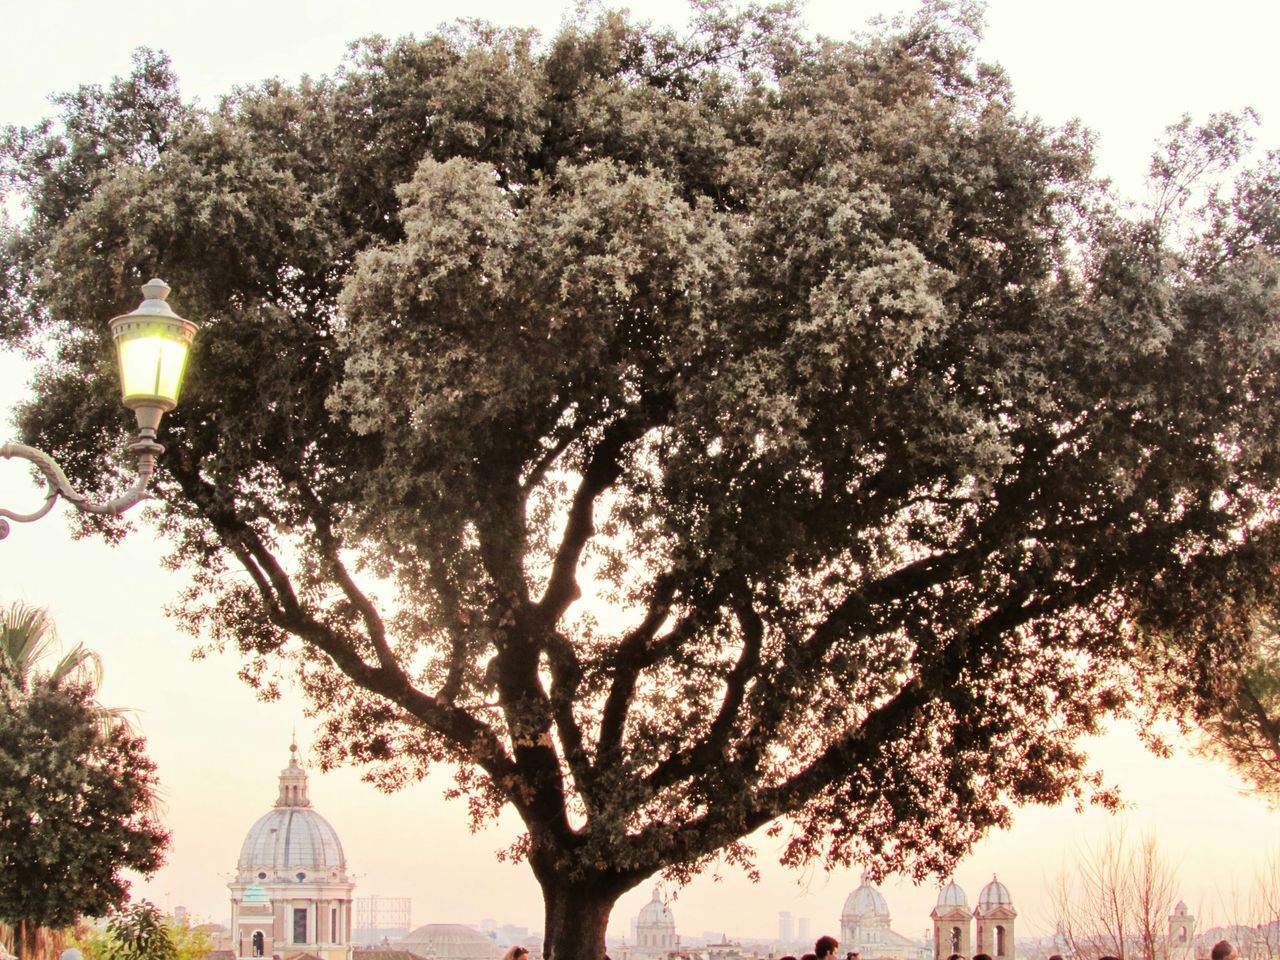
151,344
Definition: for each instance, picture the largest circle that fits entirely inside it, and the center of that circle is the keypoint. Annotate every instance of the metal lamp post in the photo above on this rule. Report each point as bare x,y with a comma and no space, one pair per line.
152,343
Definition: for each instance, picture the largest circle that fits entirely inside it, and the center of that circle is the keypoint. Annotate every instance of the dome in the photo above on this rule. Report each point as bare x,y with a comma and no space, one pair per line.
866,901
655,913
994,894
292,841
450,941
952,896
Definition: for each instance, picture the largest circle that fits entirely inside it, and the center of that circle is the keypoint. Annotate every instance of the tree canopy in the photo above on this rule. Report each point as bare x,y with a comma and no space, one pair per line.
77,796
677,434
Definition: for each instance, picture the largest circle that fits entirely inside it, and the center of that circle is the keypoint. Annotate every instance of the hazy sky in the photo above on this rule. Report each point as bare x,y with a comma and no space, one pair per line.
1126,67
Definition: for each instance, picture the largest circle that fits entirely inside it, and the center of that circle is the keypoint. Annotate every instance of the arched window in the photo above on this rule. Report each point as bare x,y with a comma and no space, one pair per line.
955,939
1182,934
259,943
999,941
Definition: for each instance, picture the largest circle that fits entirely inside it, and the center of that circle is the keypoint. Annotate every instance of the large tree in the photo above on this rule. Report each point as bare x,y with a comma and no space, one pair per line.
675,435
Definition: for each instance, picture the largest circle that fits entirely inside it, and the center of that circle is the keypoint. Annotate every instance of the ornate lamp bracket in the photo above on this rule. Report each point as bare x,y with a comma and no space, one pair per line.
57,485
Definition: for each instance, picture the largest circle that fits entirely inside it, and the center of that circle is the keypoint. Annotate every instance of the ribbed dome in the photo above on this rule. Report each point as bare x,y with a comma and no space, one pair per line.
866,901
952,896
292,839
450,941
994,894
655,912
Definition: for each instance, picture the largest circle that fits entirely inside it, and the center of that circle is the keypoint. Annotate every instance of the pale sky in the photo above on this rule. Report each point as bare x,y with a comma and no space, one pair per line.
1126,67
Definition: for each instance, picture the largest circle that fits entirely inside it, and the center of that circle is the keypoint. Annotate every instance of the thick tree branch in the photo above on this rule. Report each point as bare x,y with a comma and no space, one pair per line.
329,549
472,738
601,472
710,751
451,603
626,663
659,844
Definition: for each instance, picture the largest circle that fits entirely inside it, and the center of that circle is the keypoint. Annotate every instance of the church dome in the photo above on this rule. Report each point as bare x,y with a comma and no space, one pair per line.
655,913
994,894
952,896
866,901
292,841
450,941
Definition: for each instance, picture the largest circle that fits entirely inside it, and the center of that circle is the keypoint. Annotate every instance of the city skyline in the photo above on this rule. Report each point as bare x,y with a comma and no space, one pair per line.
1126,72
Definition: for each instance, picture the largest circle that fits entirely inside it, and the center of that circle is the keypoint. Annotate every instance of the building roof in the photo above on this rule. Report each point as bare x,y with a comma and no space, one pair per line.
655,913
291,841
450,941
386,953
865,902
952,896
994,894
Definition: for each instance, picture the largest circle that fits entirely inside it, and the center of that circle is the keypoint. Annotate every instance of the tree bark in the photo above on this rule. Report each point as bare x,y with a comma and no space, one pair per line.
577,916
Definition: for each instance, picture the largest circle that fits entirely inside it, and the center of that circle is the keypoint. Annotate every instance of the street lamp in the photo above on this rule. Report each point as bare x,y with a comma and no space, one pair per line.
151,347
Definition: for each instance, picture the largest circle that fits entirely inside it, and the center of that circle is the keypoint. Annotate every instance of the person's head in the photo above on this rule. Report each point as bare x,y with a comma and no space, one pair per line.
1223,950
982,956
825,947
1056,956
516,953
851,955
955,956
1108,957
808,956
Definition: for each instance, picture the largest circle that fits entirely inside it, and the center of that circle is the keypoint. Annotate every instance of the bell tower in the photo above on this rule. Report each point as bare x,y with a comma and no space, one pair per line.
1182,933
951,922
995,915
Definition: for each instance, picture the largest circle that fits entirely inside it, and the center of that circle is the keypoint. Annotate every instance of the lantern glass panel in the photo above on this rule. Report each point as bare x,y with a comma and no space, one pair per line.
151,365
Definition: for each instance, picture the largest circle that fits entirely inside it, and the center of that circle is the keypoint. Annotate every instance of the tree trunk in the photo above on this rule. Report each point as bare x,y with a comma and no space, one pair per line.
576,919
20,940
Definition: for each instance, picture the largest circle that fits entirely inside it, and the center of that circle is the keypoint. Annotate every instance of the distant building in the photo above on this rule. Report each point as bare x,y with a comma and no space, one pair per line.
450,941
951,923
994,916
786,928
291,896
805,932
655,931
864,927
1182,934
